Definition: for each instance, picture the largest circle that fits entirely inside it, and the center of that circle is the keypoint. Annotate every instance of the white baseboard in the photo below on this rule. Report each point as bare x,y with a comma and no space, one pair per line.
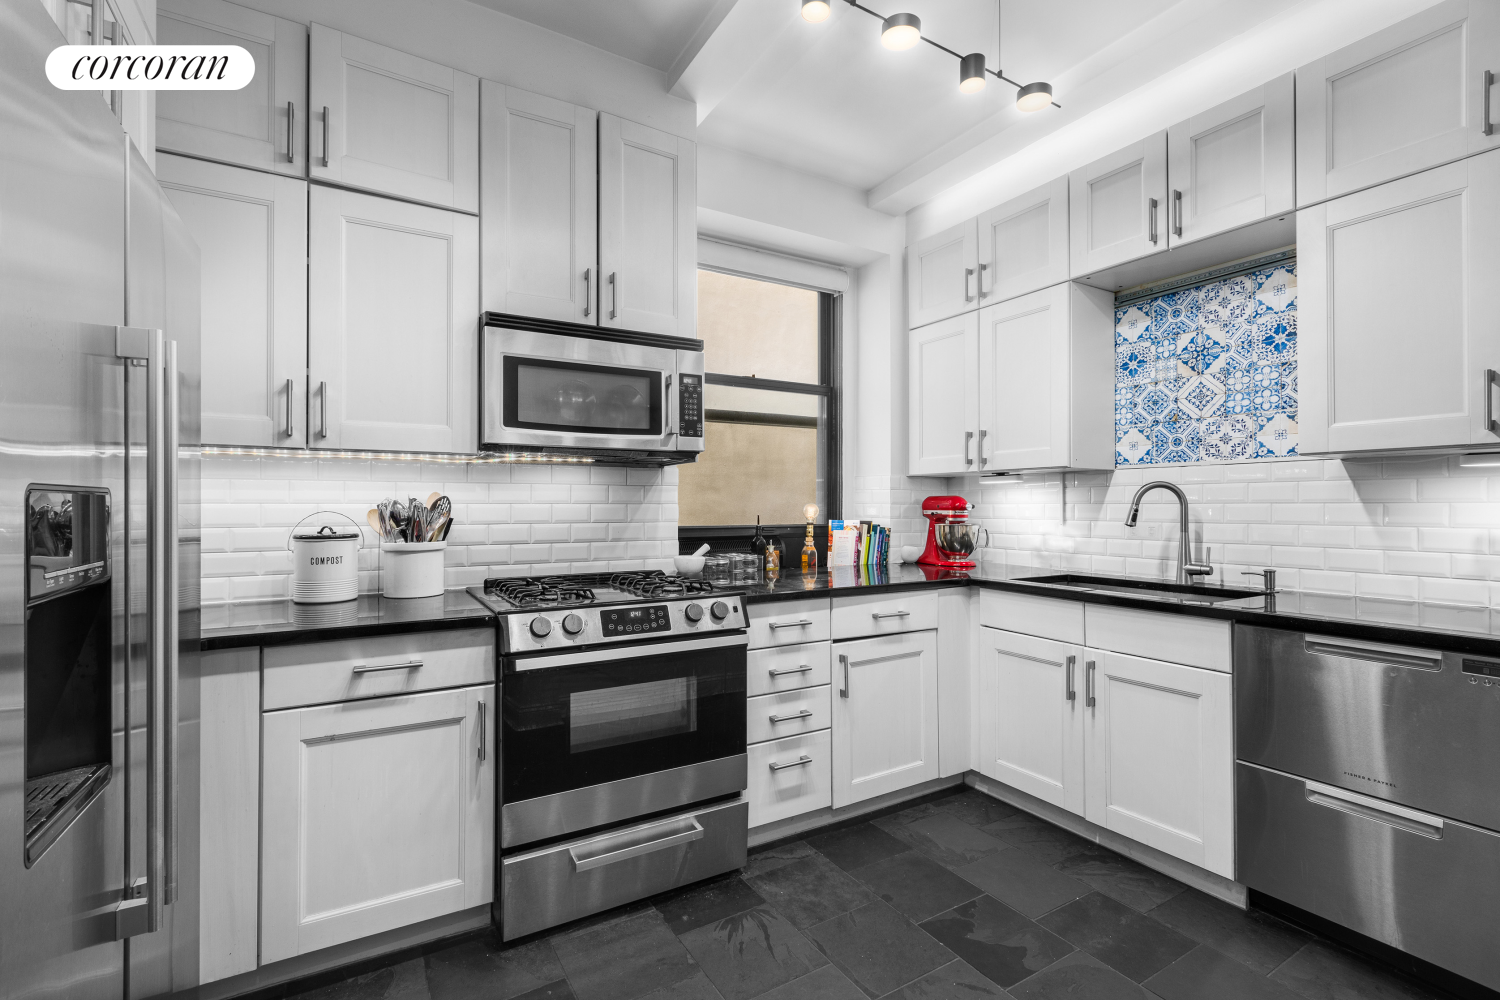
795,825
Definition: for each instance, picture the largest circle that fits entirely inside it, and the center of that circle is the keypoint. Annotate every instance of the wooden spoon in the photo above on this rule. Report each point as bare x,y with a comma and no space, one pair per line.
373,516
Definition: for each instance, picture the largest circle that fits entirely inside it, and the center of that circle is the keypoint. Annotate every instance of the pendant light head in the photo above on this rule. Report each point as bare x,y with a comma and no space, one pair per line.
1034,97
971,73
901,31
815,10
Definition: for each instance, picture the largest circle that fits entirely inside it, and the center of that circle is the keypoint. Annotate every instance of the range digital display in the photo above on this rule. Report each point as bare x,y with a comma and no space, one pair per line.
1484,668
619,621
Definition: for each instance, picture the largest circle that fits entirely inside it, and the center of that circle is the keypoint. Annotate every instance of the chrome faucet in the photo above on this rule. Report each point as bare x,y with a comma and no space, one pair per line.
1185,569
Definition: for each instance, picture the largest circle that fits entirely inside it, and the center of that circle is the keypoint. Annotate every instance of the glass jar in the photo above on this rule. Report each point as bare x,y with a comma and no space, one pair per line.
716,569
746,567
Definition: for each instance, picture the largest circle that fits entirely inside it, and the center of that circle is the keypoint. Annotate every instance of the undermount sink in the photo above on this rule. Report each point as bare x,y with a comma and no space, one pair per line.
1188,593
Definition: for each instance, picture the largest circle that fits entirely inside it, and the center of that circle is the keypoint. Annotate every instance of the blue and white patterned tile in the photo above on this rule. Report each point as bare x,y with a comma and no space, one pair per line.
1289,390
1275,290
1200,397
1267,400
1133,447
1135,364
1276,337
1131,324
1238,402
1276,435
1155,400
1180,443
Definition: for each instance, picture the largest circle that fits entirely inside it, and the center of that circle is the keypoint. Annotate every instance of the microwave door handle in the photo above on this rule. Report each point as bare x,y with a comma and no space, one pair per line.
671,411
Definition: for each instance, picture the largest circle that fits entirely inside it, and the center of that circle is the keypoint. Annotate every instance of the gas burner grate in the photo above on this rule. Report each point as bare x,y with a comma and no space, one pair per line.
655,583
577,588
551,592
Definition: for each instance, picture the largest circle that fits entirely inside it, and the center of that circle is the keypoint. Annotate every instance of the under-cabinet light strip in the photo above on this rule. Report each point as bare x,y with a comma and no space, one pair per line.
499,458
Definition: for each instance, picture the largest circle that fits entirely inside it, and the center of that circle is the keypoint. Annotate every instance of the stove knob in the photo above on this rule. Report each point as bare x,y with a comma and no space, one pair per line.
541,627
694,612
572,624
720,611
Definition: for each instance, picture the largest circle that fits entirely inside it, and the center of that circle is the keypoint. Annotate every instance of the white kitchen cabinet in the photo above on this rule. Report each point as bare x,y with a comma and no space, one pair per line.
1117,206
648,229
1399,314
538,198
1159,742
392,333
941,275
789,777
376,814
943,400
1023,244
1031,716
251,231
1046,369
885,715
1234,164
392,123
263,124
1407,98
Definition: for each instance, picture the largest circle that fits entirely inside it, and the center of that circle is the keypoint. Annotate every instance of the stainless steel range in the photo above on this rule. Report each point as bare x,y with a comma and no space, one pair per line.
622,740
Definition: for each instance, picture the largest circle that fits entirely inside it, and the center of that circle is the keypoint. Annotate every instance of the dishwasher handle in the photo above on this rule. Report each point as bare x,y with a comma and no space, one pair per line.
1400,817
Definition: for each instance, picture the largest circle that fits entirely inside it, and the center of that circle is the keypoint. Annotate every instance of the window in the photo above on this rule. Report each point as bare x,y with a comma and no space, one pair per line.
769,402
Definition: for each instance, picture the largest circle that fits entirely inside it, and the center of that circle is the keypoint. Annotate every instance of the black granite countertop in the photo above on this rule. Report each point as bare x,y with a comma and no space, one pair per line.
845,580
275,623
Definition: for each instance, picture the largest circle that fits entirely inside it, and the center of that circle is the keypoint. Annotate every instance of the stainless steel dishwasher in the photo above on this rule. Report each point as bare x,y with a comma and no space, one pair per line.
1368,790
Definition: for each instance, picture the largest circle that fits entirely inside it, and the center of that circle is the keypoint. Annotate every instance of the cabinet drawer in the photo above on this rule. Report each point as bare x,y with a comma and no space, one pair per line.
786,623
324,672
883,614
785,668
1047,617
777,791
790,713
1197,642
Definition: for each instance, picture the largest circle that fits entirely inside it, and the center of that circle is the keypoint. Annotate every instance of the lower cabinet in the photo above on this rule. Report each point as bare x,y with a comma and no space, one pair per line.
786,725
376,814
1031,718
885,715
789,777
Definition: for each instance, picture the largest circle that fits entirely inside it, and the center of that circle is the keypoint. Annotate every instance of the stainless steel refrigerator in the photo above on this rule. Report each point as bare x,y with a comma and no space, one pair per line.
98,548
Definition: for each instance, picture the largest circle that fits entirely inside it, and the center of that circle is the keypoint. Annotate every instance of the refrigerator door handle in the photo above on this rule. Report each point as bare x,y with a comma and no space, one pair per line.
171,587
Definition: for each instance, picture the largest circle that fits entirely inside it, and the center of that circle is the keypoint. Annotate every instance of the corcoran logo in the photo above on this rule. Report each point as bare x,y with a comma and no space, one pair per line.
325,560
150,67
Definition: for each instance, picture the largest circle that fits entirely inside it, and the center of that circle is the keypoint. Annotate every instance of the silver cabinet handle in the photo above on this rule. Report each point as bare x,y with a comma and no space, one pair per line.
325,135
481,730
1400,817
583,861
1491,380
804,714
968,436
614,295
778,671
322,409
968,273
1176,213
291,132
800,623
1072,693
291,386
588,290
1485,127
877,615
844,660
1151,209
982,292
1088,683
377,668
979,449
804,759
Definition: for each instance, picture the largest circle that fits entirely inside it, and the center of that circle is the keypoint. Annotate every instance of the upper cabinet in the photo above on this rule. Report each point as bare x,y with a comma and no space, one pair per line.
1416,95
538,205
264,124
1117,206
1046,381
1023,244
940,275
1232,165
648,229
1399,314
943,396
388,122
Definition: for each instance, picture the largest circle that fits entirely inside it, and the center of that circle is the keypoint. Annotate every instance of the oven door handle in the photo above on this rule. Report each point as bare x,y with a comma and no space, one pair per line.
548,661
606,856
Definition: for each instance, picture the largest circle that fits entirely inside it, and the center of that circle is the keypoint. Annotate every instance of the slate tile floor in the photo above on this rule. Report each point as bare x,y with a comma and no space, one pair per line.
956,897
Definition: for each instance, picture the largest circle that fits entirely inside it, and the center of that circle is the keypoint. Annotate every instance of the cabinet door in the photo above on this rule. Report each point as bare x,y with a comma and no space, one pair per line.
376,814
538,197
944,396
885,734
392,324
1031,716
1023,382
1023,244
251,231
262,125
1232,165
389,122
648,229
942,275
1402,100
1399,318
1117,206
1159,742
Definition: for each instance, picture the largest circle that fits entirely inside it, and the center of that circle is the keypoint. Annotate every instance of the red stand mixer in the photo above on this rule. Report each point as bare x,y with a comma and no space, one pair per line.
951,539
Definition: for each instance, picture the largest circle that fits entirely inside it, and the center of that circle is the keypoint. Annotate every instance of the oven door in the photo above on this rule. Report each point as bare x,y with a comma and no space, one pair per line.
545,390
600,736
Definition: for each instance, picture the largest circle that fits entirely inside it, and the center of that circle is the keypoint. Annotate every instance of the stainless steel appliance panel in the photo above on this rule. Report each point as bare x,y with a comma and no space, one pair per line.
1408,725
566,881
1425,884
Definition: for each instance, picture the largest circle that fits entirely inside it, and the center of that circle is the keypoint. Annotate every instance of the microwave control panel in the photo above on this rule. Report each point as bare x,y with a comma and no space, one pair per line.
690,406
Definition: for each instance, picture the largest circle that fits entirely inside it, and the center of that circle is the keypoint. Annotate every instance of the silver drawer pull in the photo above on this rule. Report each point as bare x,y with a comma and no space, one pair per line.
377,668
801,623
1400,817
804,714
778,671
890,614
804,759
629,845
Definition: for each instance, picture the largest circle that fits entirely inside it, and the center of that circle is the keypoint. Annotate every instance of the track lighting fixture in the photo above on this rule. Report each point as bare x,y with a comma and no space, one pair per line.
815,10
1034,97
971,73
901,31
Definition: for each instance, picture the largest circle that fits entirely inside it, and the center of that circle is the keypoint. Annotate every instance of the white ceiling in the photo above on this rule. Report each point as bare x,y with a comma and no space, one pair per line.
652,32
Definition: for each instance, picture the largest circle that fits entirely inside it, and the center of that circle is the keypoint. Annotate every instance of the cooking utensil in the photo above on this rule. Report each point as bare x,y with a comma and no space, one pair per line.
432,498
442,504
373,516
702,550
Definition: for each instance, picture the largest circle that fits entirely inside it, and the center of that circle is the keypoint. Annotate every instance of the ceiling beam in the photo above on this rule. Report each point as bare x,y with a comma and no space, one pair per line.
736,35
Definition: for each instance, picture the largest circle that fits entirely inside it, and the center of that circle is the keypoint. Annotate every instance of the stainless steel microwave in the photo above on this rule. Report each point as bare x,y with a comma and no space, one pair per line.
565,388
